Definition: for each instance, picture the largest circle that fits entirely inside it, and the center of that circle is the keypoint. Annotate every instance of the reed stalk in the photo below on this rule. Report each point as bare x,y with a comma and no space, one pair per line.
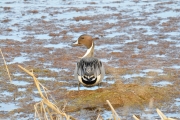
6,66
163,117
115,115
45,105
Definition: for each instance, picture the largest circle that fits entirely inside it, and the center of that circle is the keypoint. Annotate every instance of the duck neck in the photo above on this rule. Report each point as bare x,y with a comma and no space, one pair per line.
89,52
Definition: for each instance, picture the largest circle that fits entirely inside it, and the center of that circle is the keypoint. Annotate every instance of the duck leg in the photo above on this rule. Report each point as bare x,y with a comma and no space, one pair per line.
99,85
78,86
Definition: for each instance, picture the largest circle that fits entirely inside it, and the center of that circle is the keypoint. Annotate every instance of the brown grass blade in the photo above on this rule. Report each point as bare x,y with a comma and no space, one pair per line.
37,115
45,105
115,115
163,117
99,117
6,66
135,117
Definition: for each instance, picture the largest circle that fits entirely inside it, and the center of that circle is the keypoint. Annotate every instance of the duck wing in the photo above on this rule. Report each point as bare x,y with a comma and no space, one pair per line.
89,71
89,67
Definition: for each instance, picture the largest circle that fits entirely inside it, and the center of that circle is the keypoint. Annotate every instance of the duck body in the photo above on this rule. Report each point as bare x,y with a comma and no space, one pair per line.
89,70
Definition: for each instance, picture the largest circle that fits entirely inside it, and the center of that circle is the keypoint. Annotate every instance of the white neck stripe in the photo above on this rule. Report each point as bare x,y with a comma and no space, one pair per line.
88,51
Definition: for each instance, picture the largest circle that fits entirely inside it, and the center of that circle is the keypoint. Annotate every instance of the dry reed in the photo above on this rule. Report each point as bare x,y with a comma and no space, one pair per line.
6,66
163,117
135,117
115,115
46,109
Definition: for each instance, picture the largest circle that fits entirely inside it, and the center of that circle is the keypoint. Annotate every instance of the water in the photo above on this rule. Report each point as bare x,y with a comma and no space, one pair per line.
8,106
177,102
152,42
11,37
166,14
81,88
59,69
43,36
46,78
107,114
21,89
19,59
130,41
60,45
128,76
20,83
108,46
7,93
175,67
161,56
162,83
153,70
37,99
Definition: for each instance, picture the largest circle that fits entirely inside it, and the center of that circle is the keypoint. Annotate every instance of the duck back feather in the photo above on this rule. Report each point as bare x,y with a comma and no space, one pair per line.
88,70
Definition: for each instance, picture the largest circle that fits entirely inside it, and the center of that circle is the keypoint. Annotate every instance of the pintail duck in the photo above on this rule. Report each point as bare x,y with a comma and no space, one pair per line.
89,70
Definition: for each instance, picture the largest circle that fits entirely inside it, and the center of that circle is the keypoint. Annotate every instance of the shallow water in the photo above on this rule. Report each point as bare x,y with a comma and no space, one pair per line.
8,106
125,26
19,59
162,83
128,76
23,83
60,45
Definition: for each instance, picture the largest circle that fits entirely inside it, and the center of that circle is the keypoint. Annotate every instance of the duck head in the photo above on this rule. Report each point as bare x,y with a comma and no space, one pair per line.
87,41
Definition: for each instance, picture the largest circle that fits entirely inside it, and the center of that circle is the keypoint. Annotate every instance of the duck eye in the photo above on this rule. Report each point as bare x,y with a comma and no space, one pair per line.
82,38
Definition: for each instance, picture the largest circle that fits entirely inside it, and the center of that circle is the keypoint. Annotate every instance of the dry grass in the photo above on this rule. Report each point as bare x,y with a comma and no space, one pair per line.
7,8
6,20
115,115
9,29
163,117
91,3
33,11
6,65
54,34
45,109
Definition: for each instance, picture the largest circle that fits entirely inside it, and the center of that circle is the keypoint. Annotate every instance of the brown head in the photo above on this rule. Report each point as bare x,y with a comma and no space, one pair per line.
86,40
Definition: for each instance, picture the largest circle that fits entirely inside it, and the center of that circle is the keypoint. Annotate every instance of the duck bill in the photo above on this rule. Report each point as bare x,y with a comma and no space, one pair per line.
76,44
